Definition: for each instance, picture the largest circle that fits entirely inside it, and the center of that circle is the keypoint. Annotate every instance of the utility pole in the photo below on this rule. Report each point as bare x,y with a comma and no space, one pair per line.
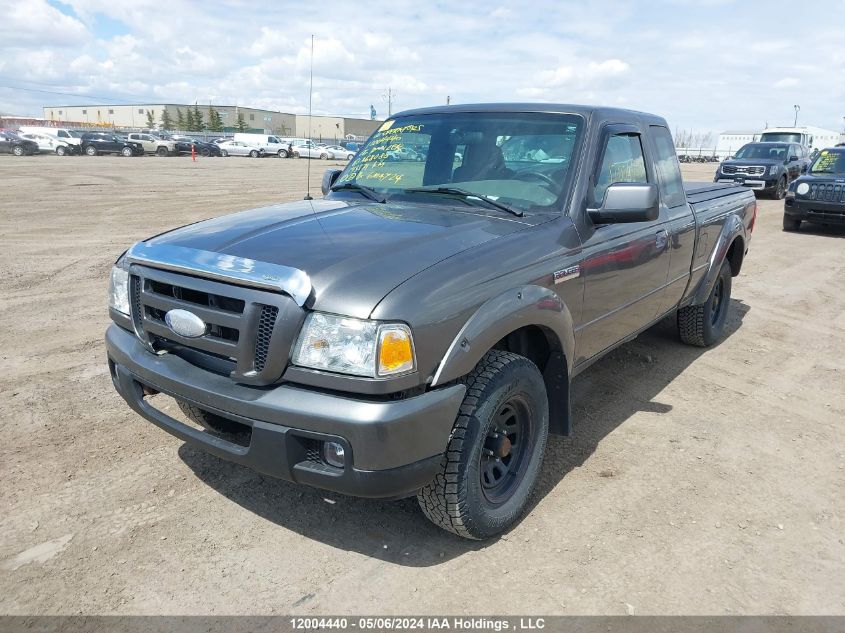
389,96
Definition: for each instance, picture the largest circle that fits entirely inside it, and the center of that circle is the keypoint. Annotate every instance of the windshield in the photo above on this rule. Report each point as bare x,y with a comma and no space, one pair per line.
75,134
521,159
781,137
759,150
829,161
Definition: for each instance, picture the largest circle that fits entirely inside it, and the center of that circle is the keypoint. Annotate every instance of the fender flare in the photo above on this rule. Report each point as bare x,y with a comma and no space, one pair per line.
731,229
513,309
498,317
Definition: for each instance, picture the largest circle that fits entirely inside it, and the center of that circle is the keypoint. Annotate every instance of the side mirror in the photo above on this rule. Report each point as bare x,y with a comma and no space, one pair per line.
792,158
627,202
329,178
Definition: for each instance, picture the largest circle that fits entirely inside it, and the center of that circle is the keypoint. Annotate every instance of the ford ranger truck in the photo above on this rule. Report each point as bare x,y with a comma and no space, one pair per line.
416,330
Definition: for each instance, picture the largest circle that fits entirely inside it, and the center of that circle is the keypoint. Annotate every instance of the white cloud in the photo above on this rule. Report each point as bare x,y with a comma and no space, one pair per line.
583,73
34,23
682,60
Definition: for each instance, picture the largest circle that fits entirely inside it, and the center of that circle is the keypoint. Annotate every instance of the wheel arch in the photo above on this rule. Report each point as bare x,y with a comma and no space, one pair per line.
531,321
731,243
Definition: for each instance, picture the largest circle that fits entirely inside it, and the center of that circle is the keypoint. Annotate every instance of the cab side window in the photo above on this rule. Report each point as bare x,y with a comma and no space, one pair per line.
667,167
622,161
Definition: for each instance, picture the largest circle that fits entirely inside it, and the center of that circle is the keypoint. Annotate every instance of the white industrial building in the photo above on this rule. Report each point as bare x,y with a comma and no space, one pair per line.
731,140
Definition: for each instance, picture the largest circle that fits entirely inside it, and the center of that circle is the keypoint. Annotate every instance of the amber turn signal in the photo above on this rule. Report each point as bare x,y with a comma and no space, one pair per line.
395,350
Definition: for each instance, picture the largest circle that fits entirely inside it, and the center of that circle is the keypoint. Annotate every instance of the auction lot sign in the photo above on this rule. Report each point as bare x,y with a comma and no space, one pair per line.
468,624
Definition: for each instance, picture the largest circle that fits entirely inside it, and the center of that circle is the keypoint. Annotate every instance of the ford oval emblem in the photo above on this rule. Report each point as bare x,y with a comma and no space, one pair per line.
184,323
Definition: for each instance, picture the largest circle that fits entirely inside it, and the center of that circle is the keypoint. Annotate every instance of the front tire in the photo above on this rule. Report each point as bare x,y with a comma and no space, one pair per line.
282,153
91,150
324,156
494,454
780,189
161,151
224,153
703,325
61,151
17,150
127,151
791,224
253,154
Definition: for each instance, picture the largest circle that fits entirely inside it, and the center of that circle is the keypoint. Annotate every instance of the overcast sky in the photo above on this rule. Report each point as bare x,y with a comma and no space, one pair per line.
706,65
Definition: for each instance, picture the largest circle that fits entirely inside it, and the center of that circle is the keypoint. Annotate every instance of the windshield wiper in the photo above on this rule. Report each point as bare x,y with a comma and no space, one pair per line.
367,192
456,191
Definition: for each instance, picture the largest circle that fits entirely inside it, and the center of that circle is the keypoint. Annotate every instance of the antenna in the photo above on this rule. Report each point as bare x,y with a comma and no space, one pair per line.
310,92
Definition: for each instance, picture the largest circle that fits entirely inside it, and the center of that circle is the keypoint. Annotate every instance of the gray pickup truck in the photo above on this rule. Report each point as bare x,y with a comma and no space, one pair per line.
416,330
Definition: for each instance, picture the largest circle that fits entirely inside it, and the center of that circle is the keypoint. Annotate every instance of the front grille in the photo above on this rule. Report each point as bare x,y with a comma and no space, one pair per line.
265,331
827,192
241,339
741,169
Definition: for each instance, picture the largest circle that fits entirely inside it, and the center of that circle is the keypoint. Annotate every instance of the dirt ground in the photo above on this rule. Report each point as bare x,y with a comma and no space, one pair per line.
697,482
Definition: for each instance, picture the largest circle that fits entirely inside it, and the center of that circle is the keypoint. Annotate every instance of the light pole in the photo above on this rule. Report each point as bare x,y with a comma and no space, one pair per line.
797,108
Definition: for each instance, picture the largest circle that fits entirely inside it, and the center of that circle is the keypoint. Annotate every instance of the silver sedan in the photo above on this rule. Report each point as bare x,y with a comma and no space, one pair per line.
237,148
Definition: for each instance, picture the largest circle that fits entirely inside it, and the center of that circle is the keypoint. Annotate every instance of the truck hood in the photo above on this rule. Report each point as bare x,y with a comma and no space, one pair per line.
753,161
354,253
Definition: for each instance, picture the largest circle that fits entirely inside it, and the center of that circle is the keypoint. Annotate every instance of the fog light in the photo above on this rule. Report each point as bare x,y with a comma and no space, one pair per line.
334,455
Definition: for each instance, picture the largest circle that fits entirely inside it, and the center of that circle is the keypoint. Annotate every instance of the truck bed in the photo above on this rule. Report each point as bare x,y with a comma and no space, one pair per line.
698,192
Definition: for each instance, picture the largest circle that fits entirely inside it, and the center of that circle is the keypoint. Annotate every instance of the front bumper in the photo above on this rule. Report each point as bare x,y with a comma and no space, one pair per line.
393,447
814,211
754,182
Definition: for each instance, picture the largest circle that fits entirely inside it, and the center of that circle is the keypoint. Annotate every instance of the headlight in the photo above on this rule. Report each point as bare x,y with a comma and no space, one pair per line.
354,346
774,170
119,290
802,188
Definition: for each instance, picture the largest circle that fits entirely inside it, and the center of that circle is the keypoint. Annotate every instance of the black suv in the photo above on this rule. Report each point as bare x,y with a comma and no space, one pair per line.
11,143
203,148
765,167
94,143
819,195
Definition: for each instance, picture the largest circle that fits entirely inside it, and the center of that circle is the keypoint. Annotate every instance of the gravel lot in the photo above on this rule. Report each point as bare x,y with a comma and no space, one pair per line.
697,482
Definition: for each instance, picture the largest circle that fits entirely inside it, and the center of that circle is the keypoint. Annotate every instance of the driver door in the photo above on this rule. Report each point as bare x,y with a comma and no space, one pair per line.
624,266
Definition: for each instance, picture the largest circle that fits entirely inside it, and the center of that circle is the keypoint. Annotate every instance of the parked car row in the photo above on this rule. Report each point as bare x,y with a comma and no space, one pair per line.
35,140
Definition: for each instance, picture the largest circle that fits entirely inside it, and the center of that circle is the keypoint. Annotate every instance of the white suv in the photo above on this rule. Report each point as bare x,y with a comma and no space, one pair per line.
153,144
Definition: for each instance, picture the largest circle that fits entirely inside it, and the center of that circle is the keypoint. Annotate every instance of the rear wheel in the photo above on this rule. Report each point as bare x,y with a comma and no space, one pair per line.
224,153
161,151
296,154
791,224
208,420
704,324
324,156
495,451
61,150
206,152
127,151
282,153
253,154
17,150
91,150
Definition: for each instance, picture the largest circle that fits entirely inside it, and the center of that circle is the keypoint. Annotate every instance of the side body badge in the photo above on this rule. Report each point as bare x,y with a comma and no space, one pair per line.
567,273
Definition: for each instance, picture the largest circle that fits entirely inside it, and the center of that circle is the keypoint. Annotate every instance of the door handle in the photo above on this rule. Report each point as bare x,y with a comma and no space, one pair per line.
661,240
